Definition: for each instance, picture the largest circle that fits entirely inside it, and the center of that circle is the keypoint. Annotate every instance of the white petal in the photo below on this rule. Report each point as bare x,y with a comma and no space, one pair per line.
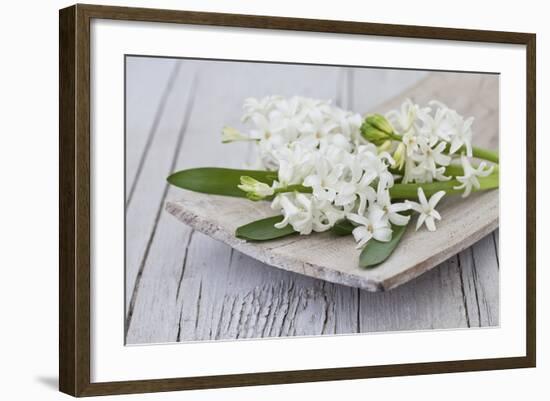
415,206
420,220
443,160
398,219
455,145
361,235
461,186
430,224
358,219
436,198
399,207
422,197
282,224
383,234
375,215
467,191
312,181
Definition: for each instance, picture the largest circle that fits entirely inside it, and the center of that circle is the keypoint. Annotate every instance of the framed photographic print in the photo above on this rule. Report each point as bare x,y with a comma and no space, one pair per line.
250,200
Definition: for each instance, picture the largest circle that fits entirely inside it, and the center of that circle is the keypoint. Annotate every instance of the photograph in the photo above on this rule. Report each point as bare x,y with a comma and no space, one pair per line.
271,200
274,200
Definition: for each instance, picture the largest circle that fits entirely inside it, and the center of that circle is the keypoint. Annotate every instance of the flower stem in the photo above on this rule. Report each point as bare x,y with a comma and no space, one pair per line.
485,154
294,188
409,191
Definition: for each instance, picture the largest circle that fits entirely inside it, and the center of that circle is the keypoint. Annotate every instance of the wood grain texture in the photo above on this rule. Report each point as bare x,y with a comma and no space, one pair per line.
67,202
144,190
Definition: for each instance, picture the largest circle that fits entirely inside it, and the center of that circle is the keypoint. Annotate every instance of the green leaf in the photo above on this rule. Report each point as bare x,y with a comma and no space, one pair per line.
375,252
218,181
264,230
342,227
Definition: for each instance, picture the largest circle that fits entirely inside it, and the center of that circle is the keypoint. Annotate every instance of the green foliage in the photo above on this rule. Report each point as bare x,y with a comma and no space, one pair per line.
264,230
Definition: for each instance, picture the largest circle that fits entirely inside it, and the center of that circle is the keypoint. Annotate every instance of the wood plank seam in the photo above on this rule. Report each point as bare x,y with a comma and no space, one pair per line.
495,243
465,303
186,115
153,130
475,279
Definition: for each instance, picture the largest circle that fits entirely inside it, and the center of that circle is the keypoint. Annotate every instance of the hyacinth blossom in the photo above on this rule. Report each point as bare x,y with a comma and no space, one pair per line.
325,168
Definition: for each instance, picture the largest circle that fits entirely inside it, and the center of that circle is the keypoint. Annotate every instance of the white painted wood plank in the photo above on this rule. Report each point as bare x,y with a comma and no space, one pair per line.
480,274
160,299
496,239
147,85
461,292
434,300
142,210
371,87
250,300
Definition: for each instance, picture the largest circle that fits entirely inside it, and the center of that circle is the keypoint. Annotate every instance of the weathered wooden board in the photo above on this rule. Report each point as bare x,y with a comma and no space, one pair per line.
332,258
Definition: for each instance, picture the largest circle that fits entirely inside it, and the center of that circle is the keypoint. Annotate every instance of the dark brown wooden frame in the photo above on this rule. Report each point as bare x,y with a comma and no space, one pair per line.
74,199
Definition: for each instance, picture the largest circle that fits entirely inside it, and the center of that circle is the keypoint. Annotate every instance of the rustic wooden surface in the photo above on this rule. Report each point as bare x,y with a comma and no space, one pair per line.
182,285
335,258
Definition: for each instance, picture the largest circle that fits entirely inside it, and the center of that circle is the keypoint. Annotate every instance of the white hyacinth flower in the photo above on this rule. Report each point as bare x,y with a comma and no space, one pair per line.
314,144
279,122
430,157
319,128
297,210
266,129
325,215
324,180
262,106
376,165
435,127
455,129
410,140
230,134
289,114
391,210
295,164
348,123
373,225
304,213
470,178
462,135
358,186
426,209
404,118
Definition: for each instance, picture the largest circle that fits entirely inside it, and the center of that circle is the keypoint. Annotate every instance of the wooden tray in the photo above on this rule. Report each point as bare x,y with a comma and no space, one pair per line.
335,259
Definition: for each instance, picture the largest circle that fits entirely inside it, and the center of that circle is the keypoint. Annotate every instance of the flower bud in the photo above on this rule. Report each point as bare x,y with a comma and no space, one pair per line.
385,146
380,122
230,134
399,156
255,190
376,129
